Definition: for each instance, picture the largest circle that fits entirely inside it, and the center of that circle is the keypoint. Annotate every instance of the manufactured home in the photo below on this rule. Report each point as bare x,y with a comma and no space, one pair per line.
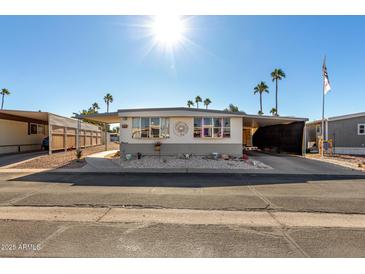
202,131
346,132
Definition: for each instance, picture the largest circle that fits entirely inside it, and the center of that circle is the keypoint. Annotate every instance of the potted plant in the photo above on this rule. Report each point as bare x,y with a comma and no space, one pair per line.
158,146
78,155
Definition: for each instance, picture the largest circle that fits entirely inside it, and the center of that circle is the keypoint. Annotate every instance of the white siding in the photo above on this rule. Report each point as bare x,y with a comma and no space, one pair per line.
16,133
236,133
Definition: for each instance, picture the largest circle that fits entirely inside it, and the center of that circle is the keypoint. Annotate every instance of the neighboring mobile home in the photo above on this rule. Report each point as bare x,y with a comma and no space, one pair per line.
22,131
347,133
202,131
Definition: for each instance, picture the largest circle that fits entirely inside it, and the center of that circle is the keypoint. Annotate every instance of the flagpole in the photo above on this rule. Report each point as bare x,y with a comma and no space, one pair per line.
323,89
322,131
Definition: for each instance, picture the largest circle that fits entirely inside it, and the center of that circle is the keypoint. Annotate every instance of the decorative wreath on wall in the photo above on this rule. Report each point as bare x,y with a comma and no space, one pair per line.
181,128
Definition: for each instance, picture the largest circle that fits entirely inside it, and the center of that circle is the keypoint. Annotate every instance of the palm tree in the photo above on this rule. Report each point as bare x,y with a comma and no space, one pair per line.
261,88
4,92
190,103
94,107
108,98
273,111
277,75
207,102
197,100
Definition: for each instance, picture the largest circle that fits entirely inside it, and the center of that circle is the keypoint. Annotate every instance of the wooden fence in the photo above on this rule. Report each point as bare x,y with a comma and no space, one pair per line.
64,138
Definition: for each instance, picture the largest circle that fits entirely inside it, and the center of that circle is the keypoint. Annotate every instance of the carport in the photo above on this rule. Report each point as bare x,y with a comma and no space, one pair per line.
24,131
274,133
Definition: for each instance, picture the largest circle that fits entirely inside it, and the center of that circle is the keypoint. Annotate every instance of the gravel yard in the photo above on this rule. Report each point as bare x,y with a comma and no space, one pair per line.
63,159
192,162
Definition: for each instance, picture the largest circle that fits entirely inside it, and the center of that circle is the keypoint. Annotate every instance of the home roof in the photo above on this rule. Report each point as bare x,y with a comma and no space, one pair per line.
347,116
340,117
213,111
114,117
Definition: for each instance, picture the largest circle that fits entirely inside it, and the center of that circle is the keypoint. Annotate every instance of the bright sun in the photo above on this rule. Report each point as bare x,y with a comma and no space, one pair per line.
168,30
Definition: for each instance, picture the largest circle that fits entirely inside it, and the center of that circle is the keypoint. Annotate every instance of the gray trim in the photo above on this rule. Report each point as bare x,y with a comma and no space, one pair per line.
174,149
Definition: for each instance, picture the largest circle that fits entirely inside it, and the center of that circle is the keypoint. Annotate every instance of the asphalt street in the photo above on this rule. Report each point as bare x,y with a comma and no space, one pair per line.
77,239
318,190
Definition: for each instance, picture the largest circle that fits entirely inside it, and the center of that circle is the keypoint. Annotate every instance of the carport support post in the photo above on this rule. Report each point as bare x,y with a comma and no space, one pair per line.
304,147
78,136
49,135
106,137
65,138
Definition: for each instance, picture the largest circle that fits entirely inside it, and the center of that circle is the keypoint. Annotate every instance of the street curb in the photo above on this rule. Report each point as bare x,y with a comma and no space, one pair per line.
182,216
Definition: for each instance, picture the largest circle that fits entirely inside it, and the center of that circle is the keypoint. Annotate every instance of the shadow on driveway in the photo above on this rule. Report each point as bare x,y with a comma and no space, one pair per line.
179,180
10,159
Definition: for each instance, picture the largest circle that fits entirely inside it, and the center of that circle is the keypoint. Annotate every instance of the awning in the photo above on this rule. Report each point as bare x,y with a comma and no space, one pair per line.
257,121
35,115
108,117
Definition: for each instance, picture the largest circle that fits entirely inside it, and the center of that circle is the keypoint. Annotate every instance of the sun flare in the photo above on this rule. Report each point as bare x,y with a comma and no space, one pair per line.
168,30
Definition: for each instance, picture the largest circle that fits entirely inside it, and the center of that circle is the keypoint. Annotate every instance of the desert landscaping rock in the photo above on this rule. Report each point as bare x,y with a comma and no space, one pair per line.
190,163
61,159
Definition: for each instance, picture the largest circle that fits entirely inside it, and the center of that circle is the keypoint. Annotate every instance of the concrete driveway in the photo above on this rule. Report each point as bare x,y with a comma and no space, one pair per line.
291,164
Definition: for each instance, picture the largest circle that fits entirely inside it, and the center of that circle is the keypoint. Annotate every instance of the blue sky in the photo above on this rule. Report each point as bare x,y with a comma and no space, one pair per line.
63,64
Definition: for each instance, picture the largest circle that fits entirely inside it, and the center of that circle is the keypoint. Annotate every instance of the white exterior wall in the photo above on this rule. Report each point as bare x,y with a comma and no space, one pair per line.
236,132
16,133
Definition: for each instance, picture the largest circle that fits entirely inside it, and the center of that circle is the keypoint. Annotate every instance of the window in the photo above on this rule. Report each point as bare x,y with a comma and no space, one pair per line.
360,129
36,129
145,127
150,127
40,129
198,127
226,127
165,126
212,127
318,129
33,129
136,128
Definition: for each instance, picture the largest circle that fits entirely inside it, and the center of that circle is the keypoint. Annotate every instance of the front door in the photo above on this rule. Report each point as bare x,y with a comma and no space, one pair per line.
246,137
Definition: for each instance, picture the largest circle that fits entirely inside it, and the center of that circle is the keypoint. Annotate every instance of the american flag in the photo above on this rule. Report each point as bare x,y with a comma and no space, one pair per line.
326,81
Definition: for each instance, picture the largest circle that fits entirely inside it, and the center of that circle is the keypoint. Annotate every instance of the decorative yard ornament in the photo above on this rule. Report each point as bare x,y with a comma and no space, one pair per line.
181,129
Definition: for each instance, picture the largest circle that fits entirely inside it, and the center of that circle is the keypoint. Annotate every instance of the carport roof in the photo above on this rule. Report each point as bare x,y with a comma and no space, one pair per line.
106,117
35,115
250,120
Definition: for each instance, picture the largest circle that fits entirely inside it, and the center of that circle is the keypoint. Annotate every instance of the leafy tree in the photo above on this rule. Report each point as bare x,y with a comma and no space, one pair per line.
207,102
232,108
198,100
94,108
277,75
190,103
108,98
261,88
4,92
116,129
273,111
